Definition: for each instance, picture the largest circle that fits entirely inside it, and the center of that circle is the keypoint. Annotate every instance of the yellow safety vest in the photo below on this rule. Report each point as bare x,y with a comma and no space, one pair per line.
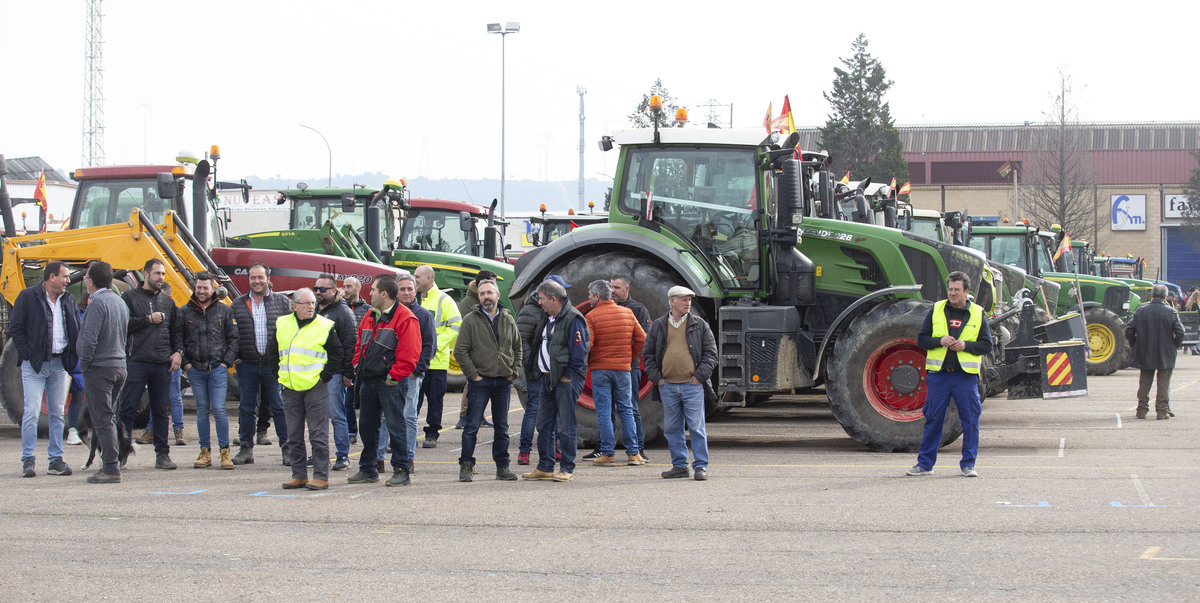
970,363
447,320
301,351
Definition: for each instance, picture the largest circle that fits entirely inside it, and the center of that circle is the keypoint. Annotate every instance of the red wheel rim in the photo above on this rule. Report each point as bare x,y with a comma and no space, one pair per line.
882,366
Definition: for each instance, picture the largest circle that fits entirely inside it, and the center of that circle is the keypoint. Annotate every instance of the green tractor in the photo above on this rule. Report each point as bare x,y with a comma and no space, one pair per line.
386,226
1105,303
794,301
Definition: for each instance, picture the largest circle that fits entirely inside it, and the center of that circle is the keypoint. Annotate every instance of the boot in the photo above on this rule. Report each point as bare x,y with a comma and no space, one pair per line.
179,441
204,460
226,463
465,471
163,461
263,439
147,437
245,456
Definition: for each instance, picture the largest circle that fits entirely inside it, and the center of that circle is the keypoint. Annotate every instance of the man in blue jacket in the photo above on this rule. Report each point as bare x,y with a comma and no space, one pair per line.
44,327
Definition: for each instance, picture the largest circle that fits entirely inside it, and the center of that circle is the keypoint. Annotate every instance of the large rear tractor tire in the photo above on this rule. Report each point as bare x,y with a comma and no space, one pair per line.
1106,338
651,281
876,379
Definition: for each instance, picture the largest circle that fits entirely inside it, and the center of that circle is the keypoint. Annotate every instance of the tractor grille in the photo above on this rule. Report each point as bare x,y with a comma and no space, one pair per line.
762,351
871,270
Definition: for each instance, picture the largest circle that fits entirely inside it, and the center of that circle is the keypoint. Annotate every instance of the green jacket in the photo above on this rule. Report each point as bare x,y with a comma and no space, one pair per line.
481,354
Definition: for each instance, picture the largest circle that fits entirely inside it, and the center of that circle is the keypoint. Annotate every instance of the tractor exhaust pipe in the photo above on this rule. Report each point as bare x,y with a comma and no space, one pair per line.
10,223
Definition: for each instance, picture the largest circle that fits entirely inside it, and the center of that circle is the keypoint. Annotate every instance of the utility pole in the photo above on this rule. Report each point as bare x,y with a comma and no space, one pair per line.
93,87
581,91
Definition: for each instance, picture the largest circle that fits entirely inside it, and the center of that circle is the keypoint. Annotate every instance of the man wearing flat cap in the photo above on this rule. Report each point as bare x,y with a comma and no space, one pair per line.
680,355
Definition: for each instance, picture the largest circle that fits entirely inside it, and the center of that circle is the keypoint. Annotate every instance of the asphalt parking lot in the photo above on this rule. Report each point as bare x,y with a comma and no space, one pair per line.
1076,500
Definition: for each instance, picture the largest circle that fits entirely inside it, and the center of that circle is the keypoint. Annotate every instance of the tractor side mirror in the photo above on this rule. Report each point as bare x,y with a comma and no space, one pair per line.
348,203
167,187
466,222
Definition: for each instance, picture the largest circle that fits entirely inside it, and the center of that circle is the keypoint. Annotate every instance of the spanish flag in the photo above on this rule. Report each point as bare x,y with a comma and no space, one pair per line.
39,193
1066,244
893,184
767,119
784,123
906,189
845,179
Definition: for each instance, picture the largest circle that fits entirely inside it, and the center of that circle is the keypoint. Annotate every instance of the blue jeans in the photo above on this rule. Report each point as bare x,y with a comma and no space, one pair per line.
176,394
379,400
534,392
351,415
433,387
611,388
51,382
410,390
337,416
556,416
635,380
209,388
156,377
964,388
252,378
684,401
497,390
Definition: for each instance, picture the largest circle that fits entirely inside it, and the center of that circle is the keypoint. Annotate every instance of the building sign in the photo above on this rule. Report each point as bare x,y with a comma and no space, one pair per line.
1129,212
259,201
1176,207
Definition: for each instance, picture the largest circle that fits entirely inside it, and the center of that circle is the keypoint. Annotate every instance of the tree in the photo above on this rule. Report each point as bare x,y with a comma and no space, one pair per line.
643,118
1190,225
1061,181
859,134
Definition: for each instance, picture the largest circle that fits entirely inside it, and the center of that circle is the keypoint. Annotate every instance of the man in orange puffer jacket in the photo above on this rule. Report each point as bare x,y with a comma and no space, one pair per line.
617,339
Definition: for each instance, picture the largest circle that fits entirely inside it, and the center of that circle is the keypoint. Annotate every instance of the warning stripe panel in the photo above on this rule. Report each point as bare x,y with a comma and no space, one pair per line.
1058,369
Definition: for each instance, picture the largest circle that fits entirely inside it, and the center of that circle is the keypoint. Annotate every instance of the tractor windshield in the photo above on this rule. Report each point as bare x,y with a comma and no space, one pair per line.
104,202
706,194
438,230
313,213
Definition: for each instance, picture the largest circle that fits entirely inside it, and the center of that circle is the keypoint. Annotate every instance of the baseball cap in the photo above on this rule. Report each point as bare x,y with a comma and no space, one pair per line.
558,279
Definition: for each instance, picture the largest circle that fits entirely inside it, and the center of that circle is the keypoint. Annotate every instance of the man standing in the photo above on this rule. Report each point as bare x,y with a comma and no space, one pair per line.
351,287
957,337
410,388
256,313
529,317
1154,335
210,342
102,336
622,294
489,352
329,298
44,327
389,344
446,321
558,374
468,303
308,354
616,340
155,334
680,355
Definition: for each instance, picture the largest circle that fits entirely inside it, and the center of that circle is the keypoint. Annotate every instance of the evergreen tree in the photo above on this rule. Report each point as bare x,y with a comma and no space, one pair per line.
859,134
643,118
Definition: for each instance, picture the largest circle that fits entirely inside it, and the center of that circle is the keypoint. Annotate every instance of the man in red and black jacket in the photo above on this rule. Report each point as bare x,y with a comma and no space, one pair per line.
389,344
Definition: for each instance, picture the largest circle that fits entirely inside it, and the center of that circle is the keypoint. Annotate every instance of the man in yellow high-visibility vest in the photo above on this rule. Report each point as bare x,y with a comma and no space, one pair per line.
957,337
306,354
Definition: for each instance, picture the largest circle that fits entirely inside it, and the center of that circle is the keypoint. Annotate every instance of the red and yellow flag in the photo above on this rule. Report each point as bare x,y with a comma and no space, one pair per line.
906,189
893,184
767,119
845,179
784,123
1066,244
39,193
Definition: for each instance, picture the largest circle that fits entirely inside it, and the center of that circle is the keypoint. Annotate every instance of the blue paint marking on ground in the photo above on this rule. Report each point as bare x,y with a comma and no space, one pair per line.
181,493
1124,506
1040,504
264,494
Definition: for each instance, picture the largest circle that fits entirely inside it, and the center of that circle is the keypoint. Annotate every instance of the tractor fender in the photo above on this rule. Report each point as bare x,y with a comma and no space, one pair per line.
1087,305
851,311
530,266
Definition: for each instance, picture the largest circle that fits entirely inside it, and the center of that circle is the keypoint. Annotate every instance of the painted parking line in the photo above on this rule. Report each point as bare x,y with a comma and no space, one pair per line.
1040,505
1151,554
180,493
1145,498
265,495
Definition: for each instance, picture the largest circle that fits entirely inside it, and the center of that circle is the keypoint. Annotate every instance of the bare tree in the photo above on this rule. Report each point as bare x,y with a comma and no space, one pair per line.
1061,181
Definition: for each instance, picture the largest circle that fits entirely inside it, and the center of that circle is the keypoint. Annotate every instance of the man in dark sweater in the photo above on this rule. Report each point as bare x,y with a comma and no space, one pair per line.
155,348
103,333
957,337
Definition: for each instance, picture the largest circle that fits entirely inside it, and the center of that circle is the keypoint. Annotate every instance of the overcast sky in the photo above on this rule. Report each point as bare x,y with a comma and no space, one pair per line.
413,88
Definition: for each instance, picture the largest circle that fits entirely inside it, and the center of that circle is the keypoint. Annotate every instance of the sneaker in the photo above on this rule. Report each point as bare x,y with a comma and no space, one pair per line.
73,438
484,423
310,461
1163,416
245,456
701,474
504,474
563,476
969,472
591,456
538,474
465,471
354,439
262,439
341,464
428,443
918,470
163,461
362,477
399,478
604,459
676,473
523,458
104,478
147,437
179,441
462,422
635,459
27,468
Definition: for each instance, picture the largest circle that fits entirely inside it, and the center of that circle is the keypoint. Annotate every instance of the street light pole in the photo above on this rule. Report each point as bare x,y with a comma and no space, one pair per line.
510,27
328,183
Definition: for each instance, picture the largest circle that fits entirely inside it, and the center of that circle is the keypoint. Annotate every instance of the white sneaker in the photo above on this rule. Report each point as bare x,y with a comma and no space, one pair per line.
73,438
918,470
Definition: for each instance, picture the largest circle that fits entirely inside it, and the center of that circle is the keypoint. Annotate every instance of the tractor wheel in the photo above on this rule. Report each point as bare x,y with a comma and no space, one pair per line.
876,379
651,281
12,388
1106,338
